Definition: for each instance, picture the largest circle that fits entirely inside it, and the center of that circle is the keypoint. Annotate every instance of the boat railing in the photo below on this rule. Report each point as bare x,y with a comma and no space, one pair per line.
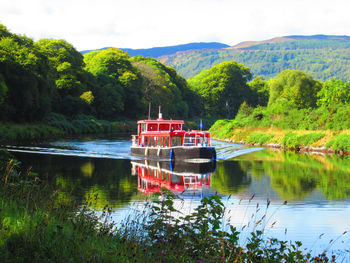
134,139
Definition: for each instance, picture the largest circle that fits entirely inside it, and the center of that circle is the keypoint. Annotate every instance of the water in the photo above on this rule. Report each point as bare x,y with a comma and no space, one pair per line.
309,195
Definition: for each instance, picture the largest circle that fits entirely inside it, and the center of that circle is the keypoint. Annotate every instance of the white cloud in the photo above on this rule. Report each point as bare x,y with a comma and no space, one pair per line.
147,23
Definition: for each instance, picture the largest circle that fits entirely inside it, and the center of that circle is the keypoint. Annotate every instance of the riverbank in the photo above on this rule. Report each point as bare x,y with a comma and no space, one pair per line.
320,141
58,125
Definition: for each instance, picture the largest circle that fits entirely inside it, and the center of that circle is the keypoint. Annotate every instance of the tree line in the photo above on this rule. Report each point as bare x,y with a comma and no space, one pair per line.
323,59
51,76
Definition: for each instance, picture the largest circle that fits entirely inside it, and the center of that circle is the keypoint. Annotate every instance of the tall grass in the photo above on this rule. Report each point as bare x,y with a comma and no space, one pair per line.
336,118
294,141
291,129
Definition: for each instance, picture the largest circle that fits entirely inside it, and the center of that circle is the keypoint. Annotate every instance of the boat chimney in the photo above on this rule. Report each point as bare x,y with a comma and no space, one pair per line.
160,115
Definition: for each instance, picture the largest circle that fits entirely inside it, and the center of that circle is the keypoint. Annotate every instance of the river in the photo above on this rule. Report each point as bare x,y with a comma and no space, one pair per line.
308,195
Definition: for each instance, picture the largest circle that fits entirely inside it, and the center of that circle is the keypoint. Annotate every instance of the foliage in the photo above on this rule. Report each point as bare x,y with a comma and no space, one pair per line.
340,143
87,96
334,92
55,125
259,138
51,76
119,88
163,86
336,118
294,141
321,58
223,88
261,88
294,88
25,84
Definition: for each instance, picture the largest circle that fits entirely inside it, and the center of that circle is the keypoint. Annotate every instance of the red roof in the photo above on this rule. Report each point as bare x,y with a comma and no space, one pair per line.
161,121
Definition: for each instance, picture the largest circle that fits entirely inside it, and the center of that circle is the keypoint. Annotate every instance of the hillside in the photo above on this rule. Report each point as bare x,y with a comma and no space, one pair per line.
162,51
321,56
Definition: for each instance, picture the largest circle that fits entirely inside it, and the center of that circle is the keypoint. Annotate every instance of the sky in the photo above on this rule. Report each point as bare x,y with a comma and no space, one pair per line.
88,24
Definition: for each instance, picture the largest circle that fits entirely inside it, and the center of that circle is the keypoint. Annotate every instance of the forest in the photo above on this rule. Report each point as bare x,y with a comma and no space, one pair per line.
323,58
49,81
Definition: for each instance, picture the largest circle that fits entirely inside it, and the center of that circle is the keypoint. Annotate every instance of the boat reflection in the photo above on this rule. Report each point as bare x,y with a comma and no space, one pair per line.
179,177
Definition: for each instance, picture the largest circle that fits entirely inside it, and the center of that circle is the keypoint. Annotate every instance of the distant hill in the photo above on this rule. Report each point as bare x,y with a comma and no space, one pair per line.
162,51
322,56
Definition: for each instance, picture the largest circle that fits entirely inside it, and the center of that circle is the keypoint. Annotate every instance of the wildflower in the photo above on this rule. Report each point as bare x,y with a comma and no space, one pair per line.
135,244
222,258
163,253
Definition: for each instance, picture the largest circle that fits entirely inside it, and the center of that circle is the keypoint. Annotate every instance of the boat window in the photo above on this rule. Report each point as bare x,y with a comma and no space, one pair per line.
166,143
189,140
143,127
152,127
175,127
164,127
176,141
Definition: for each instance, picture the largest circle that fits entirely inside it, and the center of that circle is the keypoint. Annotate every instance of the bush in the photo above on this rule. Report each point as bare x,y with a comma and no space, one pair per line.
294,141
260,138
340,143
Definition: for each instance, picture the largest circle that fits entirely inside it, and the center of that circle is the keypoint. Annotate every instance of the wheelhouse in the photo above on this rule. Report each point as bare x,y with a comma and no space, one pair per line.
168,133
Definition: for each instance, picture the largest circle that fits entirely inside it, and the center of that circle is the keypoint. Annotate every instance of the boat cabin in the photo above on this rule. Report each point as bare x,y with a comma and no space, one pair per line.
168,133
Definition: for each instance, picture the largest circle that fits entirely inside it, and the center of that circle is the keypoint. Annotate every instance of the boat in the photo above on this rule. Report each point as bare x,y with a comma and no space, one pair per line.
167,140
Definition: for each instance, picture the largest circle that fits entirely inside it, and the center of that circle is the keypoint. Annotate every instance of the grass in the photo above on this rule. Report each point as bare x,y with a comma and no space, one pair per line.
58,125
339,143
290,139
36,226
293,128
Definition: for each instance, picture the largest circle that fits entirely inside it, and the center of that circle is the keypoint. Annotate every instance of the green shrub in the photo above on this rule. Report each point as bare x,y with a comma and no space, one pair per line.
259,138
293,141
340,143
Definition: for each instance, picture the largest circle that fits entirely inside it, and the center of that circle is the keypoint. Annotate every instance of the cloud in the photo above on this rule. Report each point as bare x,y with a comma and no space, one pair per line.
142,24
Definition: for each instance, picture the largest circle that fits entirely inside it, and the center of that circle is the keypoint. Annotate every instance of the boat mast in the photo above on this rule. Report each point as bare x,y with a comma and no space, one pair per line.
149,110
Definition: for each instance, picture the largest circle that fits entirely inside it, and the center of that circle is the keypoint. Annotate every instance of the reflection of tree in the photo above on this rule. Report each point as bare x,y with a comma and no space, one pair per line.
295,176
79,178
229,178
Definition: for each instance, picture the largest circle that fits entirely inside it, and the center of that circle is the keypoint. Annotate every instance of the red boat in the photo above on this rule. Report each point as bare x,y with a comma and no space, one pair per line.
166,140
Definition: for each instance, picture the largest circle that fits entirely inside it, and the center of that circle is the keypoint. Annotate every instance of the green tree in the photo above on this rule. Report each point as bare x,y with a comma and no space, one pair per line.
163,86
67,71
119,84
295,89
223,88
261,89
25,79
334,92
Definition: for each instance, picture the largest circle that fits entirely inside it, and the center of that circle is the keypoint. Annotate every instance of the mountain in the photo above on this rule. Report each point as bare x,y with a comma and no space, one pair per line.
156,52
322,56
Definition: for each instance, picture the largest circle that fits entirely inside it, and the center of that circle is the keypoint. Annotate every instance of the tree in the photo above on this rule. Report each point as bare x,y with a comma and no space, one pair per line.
67,71
294,88
334,92
223,88
119,84
163,86
261,89
25,79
